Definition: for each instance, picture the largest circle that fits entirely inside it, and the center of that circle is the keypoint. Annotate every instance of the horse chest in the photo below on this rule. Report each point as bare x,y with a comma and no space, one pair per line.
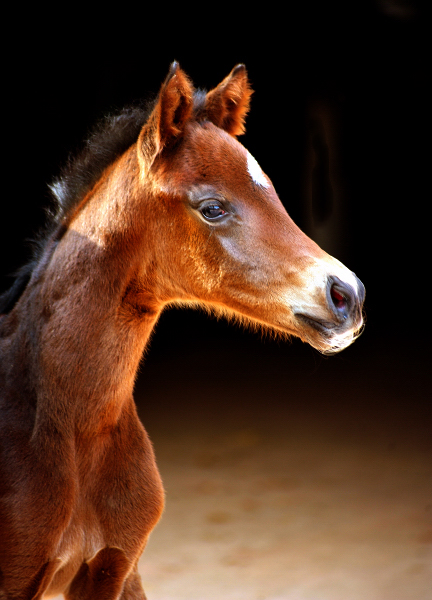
106,525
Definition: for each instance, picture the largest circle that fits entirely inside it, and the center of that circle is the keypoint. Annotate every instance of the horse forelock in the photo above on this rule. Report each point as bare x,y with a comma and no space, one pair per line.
199,105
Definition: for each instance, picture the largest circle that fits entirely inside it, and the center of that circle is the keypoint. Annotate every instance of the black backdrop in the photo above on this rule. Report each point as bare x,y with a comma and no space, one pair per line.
366,64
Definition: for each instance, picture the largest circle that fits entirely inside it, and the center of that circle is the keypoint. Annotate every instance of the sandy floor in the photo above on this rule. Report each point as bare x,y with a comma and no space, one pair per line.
300,478
289,476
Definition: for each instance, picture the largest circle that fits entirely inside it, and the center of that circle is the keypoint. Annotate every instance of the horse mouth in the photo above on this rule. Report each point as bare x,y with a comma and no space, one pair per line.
327,337
323,327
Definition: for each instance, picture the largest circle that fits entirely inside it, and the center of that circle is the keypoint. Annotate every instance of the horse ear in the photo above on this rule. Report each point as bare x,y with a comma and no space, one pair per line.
228,104
170,114
174,105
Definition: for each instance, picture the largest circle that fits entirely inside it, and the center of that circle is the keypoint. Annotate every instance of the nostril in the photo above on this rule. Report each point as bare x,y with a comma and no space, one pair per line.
341,298
338,299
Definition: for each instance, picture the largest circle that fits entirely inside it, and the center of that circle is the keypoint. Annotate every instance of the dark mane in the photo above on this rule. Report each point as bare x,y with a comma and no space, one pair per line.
108,140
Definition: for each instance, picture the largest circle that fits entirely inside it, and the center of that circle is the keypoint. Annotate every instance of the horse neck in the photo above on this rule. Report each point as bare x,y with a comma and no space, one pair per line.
89,337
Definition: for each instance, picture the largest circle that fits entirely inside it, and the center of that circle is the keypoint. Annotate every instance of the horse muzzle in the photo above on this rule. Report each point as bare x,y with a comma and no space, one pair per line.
343,322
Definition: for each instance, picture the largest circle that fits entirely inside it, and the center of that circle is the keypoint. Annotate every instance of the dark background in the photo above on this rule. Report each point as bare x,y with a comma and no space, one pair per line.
365,63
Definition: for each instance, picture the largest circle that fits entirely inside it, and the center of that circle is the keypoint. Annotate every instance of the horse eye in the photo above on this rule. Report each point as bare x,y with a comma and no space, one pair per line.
213,211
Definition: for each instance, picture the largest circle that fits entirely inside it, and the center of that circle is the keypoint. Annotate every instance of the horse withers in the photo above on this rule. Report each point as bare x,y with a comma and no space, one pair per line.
164,207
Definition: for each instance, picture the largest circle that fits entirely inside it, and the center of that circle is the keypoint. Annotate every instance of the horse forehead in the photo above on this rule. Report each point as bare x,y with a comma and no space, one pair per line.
211,142
255,171
215,150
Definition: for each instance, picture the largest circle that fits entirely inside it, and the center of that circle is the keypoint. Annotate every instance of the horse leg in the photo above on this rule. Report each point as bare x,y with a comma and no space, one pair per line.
133,589
39,584
102,577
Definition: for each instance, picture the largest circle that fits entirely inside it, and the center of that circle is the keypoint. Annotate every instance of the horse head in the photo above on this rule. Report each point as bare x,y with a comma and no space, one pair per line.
228,242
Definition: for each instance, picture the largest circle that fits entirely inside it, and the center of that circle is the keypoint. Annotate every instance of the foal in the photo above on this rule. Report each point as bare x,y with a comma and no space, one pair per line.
179,212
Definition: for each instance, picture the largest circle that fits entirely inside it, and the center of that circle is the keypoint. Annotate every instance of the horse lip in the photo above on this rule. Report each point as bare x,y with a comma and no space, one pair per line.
322,327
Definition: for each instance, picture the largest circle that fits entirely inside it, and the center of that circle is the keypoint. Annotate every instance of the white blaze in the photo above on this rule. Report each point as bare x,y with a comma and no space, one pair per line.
255,171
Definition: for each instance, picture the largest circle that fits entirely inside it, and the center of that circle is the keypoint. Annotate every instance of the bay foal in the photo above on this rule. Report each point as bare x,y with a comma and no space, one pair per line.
164,207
